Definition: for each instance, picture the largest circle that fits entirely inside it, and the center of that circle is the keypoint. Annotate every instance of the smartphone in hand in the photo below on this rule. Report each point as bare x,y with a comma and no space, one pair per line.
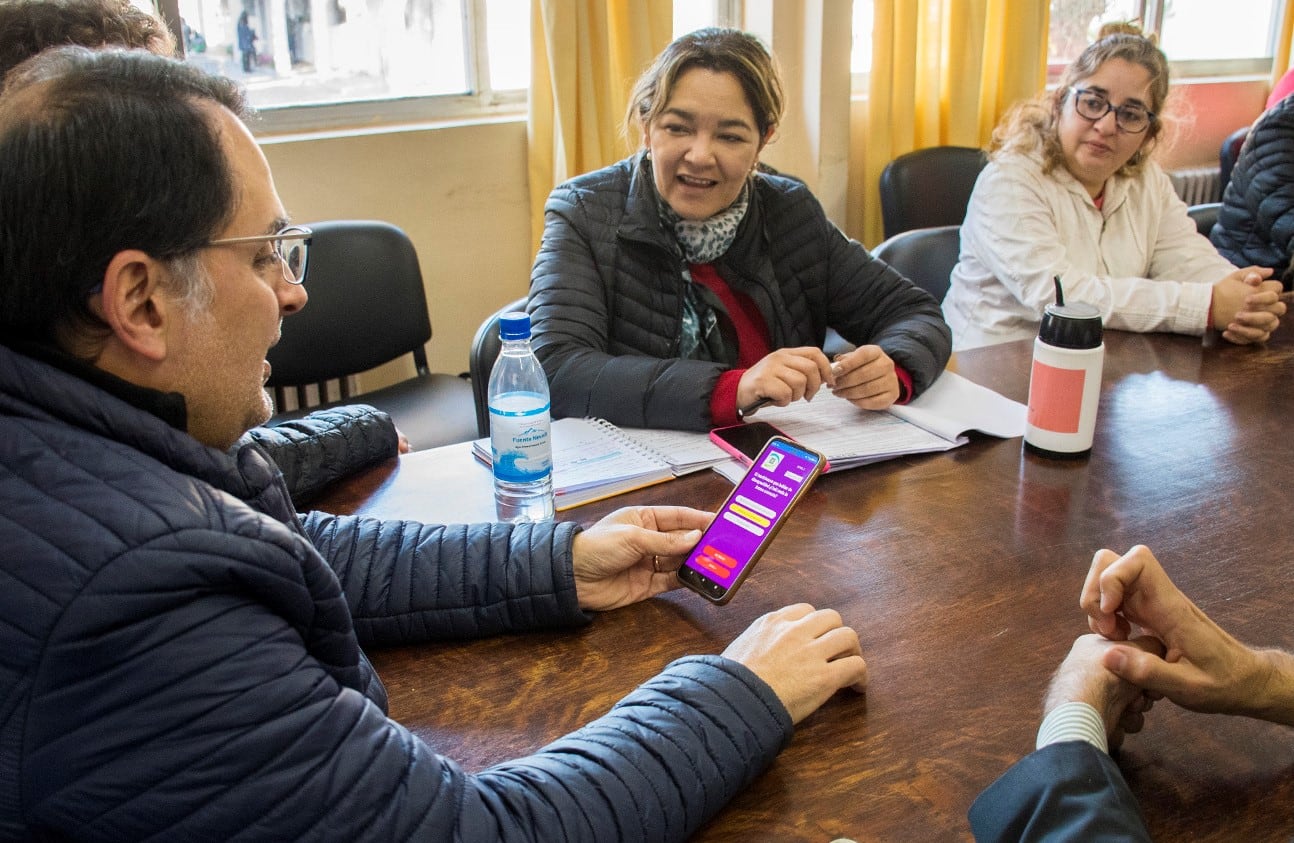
750,518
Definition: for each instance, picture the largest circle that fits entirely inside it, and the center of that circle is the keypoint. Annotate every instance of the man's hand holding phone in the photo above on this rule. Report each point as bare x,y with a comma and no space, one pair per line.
750,518
631,554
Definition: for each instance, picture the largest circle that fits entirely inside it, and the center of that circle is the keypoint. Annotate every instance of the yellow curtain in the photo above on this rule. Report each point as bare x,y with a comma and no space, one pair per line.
585,56
943,73
1281,61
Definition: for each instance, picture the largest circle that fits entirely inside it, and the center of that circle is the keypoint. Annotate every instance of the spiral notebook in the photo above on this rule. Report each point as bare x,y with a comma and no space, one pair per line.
594,459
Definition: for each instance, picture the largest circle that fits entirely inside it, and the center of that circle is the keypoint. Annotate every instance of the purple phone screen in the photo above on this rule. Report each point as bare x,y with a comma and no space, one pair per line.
750,512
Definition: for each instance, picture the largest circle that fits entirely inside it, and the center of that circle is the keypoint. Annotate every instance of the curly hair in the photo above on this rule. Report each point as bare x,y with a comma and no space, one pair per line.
1032,124
32,26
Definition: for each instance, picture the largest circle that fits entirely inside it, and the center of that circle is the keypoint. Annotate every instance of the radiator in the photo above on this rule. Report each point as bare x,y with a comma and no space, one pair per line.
1198,185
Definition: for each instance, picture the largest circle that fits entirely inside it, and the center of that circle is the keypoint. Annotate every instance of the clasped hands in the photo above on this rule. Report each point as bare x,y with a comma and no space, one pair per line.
1247,306
865,377
1181,653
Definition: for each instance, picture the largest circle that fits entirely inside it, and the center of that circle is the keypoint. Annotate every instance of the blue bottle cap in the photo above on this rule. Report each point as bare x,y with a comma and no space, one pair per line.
514,325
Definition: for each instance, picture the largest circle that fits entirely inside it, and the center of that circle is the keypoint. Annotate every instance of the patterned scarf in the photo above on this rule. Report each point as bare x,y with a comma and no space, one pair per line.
702,241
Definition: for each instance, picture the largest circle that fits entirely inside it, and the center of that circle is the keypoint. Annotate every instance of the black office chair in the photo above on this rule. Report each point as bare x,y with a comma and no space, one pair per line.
485,350
1230,153
928,187
1205,216
367,306
926,256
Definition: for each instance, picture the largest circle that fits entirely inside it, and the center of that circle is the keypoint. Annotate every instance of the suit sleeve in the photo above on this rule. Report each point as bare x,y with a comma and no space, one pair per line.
1063,792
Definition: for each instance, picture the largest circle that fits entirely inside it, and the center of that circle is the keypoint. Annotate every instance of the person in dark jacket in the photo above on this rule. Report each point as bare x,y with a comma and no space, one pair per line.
683,284
1070,789
1256,221
182,651
246,42
314,451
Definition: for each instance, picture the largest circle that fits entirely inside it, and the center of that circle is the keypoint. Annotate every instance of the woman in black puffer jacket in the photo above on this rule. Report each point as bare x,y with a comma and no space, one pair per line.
684,283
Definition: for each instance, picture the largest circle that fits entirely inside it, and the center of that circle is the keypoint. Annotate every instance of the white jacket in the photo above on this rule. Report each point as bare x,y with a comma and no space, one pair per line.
1139,258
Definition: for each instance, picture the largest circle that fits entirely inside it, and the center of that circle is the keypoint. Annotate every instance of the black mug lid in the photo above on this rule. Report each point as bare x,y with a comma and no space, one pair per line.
1071,325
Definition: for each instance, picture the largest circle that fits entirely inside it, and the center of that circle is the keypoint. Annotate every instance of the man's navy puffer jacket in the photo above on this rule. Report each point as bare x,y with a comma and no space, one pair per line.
179,661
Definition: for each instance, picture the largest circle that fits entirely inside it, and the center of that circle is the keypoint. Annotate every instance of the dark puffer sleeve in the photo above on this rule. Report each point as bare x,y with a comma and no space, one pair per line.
203,689
626,373
407,582
326,445
872,304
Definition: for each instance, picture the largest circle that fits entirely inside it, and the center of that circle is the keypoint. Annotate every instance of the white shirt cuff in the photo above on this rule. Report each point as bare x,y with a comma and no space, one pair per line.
1073,721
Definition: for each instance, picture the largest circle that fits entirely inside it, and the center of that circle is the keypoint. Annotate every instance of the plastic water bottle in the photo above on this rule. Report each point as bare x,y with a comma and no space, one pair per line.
520,427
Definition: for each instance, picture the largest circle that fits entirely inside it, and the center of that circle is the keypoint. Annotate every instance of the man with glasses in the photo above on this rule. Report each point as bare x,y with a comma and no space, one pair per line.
180,662
313,451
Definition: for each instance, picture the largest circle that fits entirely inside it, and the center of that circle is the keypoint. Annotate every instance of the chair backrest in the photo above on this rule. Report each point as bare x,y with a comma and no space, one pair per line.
367,306
485,350
928,187
1230,152
926,256
1205,216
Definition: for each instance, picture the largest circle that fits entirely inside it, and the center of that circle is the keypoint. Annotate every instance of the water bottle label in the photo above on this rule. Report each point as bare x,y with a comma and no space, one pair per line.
519,438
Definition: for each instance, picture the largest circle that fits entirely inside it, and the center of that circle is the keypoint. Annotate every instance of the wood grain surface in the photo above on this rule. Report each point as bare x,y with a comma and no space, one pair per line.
961,573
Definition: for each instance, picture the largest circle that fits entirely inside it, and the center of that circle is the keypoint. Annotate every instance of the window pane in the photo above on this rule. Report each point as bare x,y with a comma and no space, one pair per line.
1075,23
1208,29
691,15
508,36
860,54
297,52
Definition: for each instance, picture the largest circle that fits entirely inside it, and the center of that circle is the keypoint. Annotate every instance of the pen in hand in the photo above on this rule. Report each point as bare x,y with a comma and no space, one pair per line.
742,412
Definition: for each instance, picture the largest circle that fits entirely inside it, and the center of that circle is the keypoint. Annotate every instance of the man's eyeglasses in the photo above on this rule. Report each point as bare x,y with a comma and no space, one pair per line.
291,248
1093,105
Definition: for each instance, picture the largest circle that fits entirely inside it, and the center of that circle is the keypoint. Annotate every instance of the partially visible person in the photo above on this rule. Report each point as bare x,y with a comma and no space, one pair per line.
314,451
1282,89
1256,221
683,284
1070,789
183,652
247,39
29,26
1071,191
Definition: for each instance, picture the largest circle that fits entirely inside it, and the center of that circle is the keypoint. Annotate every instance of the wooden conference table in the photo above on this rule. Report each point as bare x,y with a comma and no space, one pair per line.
961,573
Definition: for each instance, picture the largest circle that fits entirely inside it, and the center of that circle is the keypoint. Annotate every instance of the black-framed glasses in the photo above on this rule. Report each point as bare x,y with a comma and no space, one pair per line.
291,249
1093,105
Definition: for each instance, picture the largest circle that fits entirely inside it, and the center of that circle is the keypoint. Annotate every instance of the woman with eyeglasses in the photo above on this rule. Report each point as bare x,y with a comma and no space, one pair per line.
1070,191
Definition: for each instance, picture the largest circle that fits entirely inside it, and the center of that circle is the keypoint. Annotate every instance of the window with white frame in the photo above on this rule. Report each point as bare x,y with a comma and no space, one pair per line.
1200,37
320,64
